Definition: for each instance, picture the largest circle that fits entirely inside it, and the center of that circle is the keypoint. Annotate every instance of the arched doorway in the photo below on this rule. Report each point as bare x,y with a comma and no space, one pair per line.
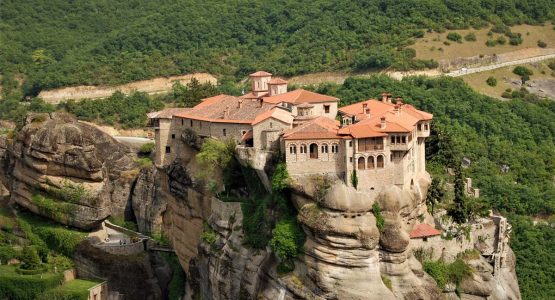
313,151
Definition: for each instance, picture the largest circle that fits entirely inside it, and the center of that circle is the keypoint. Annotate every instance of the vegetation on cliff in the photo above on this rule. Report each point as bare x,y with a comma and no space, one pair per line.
511,146
103,42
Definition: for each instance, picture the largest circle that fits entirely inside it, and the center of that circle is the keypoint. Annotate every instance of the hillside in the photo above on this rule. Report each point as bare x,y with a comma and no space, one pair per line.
62,43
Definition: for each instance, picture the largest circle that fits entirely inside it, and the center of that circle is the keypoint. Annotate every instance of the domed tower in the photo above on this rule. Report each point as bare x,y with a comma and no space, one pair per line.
259,81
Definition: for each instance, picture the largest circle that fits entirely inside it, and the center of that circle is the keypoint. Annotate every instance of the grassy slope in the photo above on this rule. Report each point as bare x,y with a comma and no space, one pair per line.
478,80
530,35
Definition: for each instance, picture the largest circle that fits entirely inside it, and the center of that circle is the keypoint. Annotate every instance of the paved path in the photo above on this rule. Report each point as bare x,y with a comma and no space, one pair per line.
466,71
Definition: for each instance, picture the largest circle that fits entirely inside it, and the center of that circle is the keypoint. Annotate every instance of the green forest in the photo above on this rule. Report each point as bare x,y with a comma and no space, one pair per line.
59,43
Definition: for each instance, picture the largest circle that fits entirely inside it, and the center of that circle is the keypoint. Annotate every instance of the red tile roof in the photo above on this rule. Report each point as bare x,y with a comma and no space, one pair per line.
260,74
277,81
167,113
423,230
276,113
299,96
399,117
318,128
227,109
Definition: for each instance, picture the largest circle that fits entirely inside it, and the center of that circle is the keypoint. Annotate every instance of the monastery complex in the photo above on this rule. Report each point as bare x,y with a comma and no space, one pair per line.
379,141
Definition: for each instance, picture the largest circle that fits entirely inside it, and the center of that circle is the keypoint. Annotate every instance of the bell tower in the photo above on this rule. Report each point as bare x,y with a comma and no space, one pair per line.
259,82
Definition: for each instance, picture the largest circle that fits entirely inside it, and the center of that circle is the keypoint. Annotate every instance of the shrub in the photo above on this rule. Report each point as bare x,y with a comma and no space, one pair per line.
470,37
444,273
542,44
354,179
7,253
191,138
501,40
280,180
143,162
491,81
387,282
215,153
515,38
491,43
376,210
147,149
455,37
521,71
287,241
551,65
30,259
209,235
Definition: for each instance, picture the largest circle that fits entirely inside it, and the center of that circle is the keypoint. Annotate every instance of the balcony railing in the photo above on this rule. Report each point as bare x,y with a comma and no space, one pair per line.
368,148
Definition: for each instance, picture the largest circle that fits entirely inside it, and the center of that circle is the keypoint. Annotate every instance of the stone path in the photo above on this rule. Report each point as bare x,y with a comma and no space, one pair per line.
466,71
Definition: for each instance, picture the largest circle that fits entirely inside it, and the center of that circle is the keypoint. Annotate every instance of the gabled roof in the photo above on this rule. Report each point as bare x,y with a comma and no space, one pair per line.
260,74
319,128
227,109
299,96
398,118
423,230
275,113
166,113
277,81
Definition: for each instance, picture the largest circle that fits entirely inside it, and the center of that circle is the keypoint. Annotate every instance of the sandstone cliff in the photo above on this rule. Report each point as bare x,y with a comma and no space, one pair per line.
345,256
68,171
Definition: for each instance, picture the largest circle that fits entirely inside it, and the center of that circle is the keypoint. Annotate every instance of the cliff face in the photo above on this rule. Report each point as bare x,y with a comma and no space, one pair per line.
345,256
68,171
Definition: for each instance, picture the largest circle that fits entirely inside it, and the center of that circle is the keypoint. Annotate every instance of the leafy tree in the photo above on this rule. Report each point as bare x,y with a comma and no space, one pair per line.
287,240
435,195
280,180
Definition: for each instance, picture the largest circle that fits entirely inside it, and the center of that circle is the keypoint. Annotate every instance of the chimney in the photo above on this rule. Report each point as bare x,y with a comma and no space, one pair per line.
384,97
382,122
240,103
364,107
388,98
397,109
367,111
399,100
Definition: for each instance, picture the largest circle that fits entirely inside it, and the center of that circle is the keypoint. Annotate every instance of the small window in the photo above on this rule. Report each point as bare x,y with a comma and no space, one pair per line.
182,122
224,132
173,136
191,123
350,143
426,127
327,109
350,159
293,149
392,139
168,149
403,139
271,125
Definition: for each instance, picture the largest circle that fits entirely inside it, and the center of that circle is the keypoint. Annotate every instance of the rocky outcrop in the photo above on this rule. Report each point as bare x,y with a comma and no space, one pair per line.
69,171
140,276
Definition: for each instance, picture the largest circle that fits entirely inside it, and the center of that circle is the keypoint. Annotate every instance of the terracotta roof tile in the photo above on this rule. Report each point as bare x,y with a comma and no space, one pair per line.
167,113
319,128
423,230
277,81
227,109
299,96
276,113
260,74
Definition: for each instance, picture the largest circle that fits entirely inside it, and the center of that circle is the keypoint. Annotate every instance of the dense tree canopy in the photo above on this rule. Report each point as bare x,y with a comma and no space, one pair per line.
57,43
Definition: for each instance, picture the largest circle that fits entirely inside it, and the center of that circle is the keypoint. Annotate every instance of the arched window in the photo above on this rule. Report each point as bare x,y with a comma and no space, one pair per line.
293,149
380,161
361,163
313,151
224,132
303,149
371,162
325,148
334,148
